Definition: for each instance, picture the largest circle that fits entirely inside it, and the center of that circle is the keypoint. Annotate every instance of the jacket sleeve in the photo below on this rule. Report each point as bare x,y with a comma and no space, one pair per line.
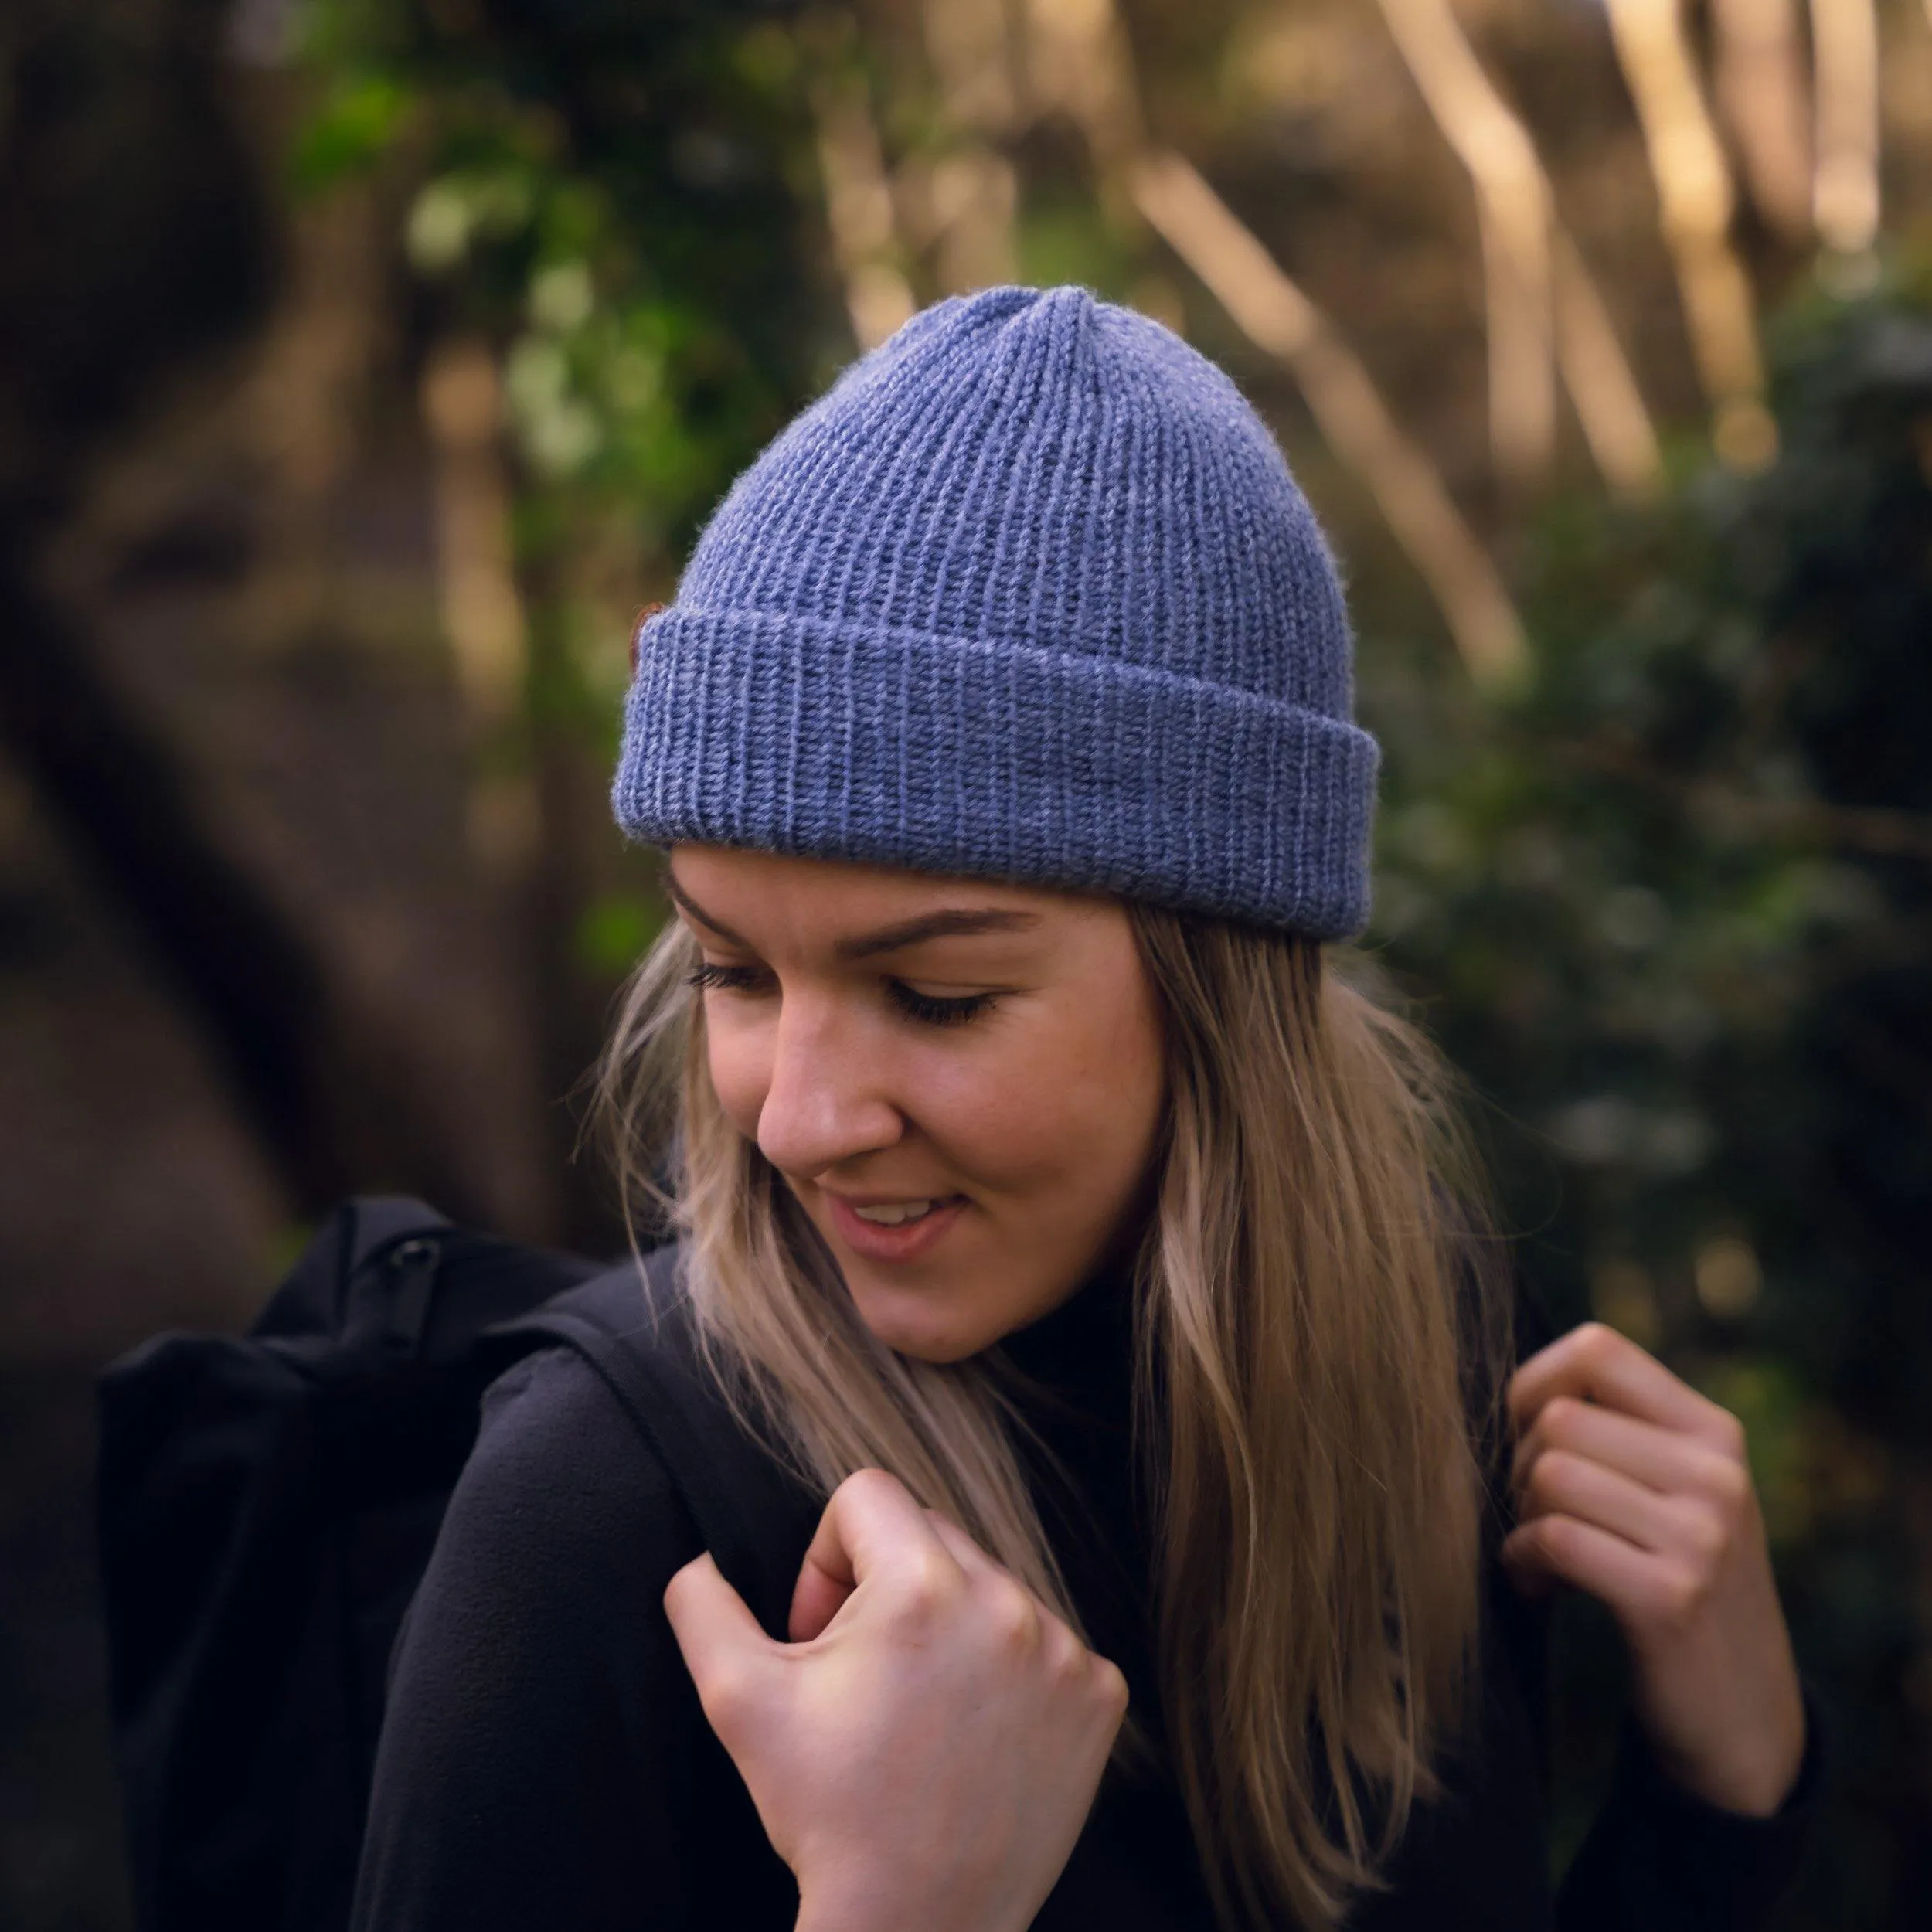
1660,1858
538,1702
1656,1858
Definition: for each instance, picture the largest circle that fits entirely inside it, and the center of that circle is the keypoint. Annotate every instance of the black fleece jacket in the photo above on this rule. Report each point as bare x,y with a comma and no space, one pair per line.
545,1765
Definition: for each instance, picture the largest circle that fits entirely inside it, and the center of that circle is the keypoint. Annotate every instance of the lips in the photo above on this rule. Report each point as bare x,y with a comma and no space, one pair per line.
905,1240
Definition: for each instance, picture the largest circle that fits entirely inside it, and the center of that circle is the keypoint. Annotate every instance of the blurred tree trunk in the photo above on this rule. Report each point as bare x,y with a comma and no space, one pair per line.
143,249
327,1108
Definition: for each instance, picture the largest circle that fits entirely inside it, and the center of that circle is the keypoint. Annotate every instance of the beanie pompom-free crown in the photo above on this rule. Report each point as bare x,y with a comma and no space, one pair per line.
1028,594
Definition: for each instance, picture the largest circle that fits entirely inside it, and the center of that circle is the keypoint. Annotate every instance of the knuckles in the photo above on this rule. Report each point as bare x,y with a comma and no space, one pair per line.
1109,1689
990,1615
1706,1535
1731,1489
870,1485
1553,1475
727,1695
1559,1419
1683,1590
1596,1344
1067,1659
1546,1539
1012,1617
927,1586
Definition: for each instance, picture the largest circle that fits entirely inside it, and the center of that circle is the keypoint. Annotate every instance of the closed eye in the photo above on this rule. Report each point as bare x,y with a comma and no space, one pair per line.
707,974
934,1011
929,1010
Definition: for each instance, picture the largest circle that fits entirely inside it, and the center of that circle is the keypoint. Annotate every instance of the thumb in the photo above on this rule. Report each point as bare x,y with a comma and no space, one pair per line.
721,1640
819,1597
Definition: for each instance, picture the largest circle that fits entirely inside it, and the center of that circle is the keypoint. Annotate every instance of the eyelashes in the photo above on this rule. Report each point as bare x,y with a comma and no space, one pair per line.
705,976
929,1011
927,1008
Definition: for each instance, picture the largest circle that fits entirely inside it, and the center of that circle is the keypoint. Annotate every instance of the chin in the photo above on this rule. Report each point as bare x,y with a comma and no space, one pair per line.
926,1332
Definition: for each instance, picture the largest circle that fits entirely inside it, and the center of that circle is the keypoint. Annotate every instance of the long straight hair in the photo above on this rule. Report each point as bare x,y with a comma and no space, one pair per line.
1321,1346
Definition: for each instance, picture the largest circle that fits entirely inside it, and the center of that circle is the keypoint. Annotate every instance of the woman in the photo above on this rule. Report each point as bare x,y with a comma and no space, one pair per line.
1053,1205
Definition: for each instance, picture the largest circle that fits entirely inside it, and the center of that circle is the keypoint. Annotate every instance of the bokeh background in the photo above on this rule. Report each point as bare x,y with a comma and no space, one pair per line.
365,364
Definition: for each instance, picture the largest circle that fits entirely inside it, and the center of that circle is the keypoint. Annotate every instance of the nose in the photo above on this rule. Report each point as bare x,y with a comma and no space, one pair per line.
824,1100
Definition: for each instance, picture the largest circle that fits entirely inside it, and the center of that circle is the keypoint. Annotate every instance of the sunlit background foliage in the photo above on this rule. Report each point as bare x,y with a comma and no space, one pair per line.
370,362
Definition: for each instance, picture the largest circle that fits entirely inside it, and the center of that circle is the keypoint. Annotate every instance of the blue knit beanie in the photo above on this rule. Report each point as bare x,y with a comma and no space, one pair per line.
1028,593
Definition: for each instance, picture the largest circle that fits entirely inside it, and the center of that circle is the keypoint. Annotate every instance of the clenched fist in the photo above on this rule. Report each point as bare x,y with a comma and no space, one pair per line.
926,1750
1632,1486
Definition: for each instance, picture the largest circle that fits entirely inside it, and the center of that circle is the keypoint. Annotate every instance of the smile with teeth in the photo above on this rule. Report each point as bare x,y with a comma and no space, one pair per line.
892,1214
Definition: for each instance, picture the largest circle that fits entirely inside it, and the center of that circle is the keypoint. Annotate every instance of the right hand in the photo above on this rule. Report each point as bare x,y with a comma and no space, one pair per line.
925,1750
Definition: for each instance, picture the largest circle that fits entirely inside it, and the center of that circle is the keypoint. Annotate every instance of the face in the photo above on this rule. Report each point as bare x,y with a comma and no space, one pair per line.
961,1082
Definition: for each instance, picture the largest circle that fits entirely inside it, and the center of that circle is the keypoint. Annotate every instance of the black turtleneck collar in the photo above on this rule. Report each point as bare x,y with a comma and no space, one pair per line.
1073,1388
1080,1354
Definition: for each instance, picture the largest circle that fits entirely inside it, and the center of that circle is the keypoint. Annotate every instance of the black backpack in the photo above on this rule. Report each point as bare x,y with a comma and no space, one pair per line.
268,1506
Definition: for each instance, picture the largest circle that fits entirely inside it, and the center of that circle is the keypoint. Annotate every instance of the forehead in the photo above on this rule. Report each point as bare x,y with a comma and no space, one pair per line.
744,889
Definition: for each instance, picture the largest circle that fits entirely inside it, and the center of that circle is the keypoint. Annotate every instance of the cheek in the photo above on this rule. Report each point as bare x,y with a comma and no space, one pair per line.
739,1062
1054,1133
1111,1089
1064,1116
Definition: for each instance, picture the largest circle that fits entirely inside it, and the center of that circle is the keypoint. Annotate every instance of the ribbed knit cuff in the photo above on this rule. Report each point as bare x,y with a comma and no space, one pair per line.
945,754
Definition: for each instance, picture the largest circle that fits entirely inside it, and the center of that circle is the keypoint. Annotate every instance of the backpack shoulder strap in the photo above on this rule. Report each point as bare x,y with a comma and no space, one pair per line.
633,1329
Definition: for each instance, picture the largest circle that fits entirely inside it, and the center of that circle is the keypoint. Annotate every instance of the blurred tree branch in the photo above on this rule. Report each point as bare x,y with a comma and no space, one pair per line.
1545,311
859,207
1695,196
1845,189
1274,315
1082,62
1761,88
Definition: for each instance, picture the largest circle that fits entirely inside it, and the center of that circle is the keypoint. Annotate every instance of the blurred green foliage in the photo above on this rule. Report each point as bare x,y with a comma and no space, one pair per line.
610,199
1670,908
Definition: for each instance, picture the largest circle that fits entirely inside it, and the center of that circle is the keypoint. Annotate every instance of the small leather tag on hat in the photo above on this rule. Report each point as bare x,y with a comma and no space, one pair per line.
637,624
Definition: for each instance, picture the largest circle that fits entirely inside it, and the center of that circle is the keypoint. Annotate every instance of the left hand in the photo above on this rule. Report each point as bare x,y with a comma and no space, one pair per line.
1632,1486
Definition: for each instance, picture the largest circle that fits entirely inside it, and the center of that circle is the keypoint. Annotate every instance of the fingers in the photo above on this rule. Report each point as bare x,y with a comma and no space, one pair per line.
1593,1363
871,1519
874,1535
816,1600
1678,1493
722,1642
870,1522
1573,1485
1024,1622
1661,1459
1574,1552
1648,1520
1654,1594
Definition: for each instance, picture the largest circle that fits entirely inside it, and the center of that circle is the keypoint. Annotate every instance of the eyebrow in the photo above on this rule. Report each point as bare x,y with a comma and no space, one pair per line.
948,922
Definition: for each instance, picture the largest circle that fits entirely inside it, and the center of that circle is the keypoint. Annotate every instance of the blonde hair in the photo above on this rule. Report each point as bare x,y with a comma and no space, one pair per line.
1312,1303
